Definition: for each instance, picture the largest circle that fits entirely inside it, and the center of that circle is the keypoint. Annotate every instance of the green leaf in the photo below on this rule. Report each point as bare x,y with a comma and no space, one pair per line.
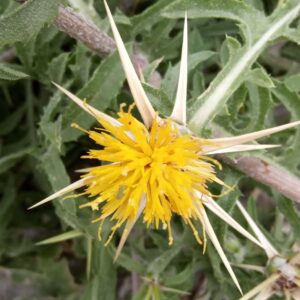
43,280
66,209
287,207
104,277
7,204
50,128
57,67
215,263
290,156
185,275
171,77
162,261
259,77
61,237
127,261
9,160
149,17
292,83
58,178
234,10
247,110
11,122
26,21
8,73
227,202
257,35
159,100
103,86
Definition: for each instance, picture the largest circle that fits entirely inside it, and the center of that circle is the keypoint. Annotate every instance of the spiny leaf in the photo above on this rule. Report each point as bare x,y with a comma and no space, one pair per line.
256,39
8,73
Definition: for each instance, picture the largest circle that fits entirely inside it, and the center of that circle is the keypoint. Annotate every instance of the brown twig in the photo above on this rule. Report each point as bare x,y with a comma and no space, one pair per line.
98,41
84,31
268,174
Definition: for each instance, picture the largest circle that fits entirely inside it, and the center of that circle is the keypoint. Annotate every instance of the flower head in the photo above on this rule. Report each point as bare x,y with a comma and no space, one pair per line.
156,169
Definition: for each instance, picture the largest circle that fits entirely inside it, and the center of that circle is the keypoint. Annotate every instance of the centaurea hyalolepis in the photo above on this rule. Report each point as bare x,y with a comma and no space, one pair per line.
156,169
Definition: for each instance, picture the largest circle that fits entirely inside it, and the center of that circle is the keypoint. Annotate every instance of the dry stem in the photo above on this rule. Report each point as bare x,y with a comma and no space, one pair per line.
268,174
82,30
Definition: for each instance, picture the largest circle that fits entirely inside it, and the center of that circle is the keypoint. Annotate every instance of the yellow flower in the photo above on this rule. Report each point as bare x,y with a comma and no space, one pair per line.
157,169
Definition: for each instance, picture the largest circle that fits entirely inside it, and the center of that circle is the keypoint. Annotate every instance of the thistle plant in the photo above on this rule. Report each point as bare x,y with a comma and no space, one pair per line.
156,170
152,196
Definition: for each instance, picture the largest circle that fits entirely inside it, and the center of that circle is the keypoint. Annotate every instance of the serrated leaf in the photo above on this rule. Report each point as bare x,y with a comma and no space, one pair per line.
55,170
259,77
8,73
231,9
229,49
57,67
247,109
52,132
103,86
26,21
159,99
233,74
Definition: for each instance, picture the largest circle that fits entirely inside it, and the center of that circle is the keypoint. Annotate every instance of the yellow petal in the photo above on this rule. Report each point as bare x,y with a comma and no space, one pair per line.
142,102
267,246
241,148
179,111
88,108
74,186
210,232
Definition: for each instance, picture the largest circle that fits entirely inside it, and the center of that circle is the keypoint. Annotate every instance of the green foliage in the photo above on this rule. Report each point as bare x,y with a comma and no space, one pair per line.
243,76
27,20
8,73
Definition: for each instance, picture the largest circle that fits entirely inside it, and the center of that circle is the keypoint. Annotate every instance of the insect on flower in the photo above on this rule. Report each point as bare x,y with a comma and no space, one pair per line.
156,169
